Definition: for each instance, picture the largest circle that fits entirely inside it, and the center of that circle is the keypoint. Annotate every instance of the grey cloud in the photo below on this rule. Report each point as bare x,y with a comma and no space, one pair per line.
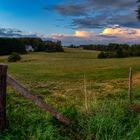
71,10
90,22
84,6
107,36
8,32
112,3
99,13
104,20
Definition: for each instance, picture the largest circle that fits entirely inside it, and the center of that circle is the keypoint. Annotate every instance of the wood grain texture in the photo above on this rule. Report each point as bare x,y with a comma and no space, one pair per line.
3,84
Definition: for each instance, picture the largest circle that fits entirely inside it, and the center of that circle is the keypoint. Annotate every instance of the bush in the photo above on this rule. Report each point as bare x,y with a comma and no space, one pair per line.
119,53
102,55
14,57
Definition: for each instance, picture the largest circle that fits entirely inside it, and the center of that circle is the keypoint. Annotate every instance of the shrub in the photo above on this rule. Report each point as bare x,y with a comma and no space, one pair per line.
14,57
119,53
102,55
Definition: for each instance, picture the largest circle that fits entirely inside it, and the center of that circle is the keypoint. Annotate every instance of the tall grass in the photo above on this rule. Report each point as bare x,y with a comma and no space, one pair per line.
58,79
85,94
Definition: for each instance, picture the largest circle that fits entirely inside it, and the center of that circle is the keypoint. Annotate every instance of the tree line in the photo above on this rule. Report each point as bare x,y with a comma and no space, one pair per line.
114,50
10,45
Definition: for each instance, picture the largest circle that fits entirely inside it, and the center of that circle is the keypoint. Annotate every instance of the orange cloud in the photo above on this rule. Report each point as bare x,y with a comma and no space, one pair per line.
84,34
121,31
114,34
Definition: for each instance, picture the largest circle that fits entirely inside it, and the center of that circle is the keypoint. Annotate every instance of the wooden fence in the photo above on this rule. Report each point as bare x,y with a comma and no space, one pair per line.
3,76
6,79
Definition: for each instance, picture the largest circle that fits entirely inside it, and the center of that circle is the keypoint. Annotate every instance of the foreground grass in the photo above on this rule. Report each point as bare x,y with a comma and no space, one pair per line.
58,79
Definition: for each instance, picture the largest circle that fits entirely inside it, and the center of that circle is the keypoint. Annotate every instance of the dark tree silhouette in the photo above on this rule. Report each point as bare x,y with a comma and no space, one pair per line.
138,10
10,45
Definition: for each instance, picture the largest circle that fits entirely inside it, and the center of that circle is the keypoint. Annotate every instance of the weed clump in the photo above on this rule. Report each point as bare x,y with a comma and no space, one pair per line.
14,57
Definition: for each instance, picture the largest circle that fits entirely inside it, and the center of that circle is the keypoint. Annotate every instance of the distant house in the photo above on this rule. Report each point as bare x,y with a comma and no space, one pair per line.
29,48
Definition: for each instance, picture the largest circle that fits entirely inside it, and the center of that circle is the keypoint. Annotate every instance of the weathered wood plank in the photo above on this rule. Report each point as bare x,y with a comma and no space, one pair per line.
27,94
3,75
130,86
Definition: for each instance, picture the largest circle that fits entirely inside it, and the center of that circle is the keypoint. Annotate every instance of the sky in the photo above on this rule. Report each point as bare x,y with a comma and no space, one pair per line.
71,21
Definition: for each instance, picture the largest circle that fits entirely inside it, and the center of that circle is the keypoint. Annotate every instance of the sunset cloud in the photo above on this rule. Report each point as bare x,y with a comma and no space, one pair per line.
113,34
84,34
121,31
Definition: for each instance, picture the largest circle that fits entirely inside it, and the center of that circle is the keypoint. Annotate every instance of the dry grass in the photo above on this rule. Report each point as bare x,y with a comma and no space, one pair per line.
58,79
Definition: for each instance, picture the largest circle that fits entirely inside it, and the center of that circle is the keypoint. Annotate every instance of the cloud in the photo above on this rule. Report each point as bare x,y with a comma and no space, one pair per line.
69,39
90,22
111,3
112,34
122,32
15,33
84,34
70,9
99,13
115,34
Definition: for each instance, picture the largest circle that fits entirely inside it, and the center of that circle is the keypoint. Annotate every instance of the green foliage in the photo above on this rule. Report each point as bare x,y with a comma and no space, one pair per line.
138,10
14,57
123,51
114,50
36,43
102,55
50,46
72,46
70,112
110,122
105,120
43,46
134,50
119,53
110,47
9,45
108,117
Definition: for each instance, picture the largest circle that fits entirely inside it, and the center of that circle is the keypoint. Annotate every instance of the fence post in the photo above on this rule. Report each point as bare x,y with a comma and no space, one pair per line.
130,86
3,84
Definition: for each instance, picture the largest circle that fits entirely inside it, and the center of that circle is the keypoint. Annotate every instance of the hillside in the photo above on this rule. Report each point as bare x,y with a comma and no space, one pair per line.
91,92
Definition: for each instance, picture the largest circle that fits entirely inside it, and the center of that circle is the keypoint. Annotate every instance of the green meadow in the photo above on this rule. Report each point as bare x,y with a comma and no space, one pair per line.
91,92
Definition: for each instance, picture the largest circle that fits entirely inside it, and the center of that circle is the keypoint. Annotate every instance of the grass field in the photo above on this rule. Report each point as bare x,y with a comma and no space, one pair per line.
91,92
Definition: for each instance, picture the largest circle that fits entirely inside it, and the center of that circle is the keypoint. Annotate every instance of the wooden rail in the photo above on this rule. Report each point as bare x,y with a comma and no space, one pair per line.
27,94
4,80
3,75
130,86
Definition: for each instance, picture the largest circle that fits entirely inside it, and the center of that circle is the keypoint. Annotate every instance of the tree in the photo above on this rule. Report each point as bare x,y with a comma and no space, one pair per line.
50,46
102,55
58,46
9,45
138,10
14,57
119,53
